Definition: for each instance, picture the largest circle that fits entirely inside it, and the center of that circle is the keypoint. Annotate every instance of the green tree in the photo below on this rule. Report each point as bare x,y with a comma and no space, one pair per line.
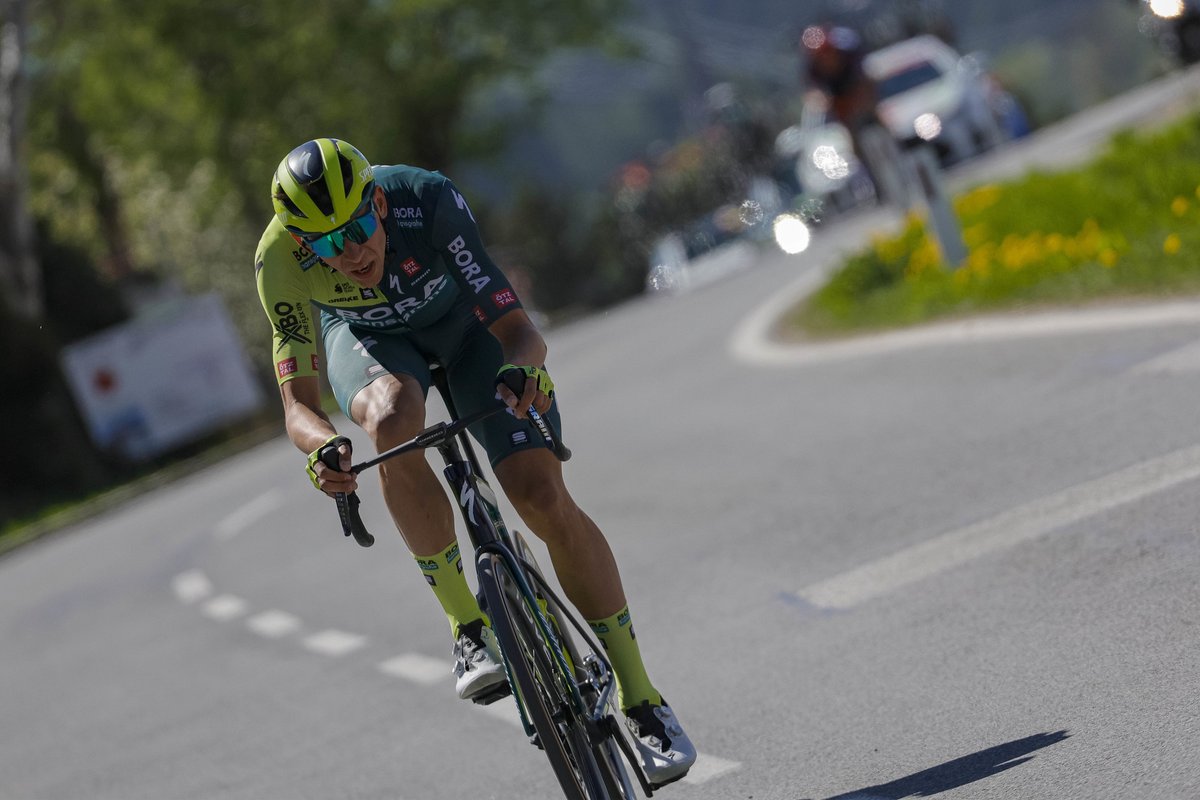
156,124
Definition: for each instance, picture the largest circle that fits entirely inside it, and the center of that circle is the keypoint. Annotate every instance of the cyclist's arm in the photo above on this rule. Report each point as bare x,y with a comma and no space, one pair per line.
309,428
285,300
519,339
522,345
454,233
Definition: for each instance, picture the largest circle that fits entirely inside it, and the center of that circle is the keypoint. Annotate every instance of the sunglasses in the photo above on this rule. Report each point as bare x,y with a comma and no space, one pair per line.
358,230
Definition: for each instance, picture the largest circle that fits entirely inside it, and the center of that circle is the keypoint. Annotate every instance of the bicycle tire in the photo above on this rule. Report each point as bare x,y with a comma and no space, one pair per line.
538,682
605,752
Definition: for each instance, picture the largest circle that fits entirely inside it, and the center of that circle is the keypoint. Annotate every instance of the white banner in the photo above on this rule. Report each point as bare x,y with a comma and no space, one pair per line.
162,379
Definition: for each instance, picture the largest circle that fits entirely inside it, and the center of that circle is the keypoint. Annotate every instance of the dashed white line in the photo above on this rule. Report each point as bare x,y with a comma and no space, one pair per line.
417,668
273,624
334,643
191,586
1021,524
225,607
248,514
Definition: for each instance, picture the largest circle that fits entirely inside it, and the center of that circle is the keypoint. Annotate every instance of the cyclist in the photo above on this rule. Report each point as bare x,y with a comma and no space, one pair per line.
833,70
387,263
833,67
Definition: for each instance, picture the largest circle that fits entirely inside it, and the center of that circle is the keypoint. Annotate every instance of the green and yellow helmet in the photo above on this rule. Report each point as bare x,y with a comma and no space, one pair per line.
321,185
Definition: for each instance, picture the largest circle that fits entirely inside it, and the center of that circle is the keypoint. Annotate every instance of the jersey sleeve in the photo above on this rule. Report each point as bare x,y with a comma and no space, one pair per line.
285,299
455,234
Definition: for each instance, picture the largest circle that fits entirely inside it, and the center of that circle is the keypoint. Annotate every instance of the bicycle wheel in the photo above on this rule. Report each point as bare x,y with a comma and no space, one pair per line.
603,737
539,683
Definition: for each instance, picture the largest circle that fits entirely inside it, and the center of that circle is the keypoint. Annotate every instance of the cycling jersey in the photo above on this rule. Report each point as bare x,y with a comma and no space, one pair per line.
433,260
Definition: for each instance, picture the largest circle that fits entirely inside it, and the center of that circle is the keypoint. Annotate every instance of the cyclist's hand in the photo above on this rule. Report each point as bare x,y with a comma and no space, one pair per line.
329,480
522,387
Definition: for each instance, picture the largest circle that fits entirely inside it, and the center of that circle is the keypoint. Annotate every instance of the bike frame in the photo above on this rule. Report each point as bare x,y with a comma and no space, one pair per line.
489,535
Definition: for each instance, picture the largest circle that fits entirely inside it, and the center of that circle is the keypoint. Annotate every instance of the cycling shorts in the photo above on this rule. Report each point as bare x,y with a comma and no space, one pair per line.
469,353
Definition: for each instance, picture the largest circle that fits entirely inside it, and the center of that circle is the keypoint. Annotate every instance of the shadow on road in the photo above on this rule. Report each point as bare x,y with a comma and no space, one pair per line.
960,771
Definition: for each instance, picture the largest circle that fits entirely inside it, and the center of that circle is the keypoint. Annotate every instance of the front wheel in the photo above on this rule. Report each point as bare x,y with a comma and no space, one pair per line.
605,734
538,682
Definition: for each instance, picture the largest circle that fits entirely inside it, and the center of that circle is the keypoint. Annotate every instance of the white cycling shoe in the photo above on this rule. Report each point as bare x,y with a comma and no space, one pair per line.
664,749
477,663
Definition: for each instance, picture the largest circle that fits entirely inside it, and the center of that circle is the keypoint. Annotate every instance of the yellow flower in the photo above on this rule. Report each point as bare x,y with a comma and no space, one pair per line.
975,201
1108,257
1172,244
1179,206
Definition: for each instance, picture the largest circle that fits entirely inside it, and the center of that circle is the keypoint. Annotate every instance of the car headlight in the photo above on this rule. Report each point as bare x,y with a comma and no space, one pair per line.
791,234
928,126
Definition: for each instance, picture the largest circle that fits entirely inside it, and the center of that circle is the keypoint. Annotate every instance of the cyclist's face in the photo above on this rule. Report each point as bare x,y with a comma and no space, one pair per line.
363,263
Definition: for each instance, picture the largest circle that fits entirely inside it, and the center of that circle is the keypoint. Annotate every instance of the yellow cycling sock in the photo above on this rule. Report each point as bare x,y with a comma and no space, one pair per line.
444,573
620,644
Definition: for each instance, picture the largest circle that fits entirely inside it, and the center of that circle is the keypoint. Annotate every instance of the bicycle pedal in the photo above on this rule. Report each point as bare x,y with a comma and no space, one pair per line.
501,691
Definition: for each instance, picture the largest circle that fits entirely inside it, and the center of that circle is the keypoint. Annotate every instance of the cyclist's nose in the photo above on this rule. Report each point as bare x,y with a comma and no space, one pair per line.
353,250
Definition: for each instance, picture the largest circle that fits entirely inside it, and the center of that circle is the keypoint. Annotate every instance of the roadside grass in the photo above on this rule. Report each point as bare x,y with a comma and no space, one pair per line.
1126,225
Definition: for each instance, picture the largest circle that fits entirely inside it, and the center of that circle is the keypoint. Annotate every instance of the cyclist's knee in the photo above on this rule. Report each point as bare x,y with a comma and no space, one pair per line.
390,410
541,499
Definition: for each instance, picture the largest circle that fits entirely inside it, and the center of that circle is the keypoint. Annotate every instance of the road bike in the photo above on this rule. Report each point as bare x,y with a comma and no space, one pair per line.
561,681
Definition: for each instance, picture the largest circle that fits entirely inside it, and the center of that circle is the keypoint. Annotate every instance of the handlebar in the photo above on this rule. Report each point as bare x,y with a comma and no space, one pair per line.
435,435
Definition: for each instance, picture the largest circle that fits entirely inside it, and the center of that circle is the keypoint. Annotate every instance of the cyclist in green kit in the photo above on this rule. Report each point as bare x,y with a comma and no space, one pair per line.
387,262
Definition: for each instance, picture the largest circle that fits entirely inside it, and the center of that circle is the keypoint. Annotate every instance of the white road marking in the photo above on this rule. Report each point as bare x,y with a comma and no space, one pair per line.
1021,524
273,624
417,668
420,669
334,643
225,607
753,343
248,514
191,586
1177,361
708,767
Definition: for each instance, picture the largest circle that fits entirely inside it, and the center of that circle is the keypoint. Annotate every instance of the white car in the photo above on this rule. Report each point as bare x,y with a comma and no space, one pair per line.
930,93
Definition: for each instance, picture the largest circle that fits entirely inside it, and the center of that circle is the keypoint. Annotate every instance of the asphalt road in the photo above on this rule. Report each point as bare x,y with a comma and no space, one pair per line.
960,565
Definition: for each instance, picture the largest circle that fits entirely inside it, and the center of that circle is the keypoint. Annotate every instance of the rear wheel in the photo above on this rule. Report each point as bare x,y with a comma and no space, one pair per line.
539,683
